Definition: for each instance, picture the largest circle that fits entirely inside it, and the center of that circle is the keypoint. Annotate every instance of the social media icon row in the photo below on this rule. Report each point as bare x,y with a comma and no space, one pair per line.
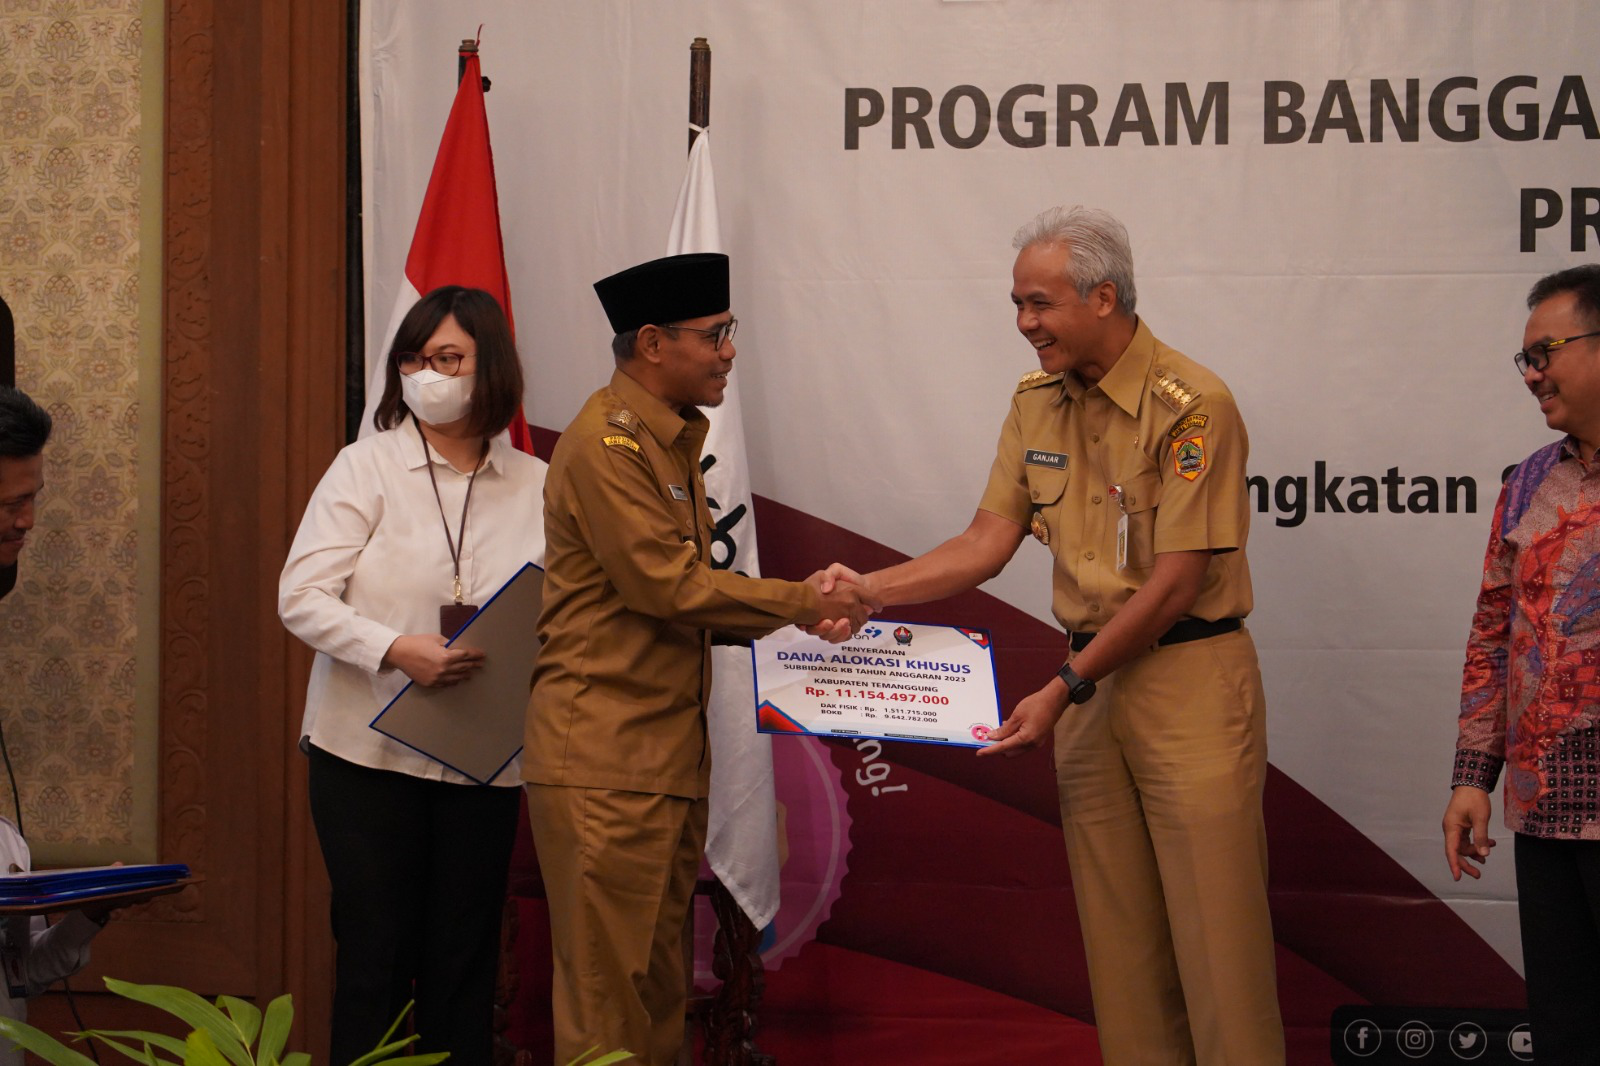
1467,1041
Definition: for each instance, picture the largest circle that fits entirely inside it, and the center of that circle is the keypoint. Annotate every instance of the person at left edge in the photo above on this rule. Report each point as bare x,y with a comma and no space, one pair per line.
616,754
417,854
33,953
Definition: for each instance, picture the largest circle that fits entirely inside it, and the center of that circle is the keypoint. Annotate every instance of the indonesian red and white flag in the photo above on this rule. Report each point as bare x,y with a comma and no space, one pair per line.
742,840
457,240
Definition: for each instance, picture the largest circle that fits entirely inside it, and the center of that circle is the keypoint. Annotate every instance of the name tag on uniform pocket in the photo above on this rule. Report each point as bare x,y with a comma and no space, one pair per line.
678,492
1034,457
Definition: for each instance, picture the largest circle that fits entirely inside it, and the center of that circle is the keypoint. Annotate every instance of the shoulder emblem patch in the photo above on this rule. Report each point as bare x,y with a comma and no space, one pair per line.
1173,390
617,440
1035,378
1186,423
1189,457
624,419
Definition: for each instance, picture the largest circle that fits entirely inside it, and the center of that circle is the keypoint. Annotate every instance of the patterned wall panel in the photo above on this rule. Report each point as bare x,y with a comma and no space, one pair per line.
69,268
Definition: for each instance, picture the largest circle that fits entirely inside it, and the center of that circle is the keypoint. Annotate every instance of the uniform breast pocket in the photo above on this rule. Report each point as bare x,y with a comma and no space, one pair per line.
1140,495
1047,488
687,515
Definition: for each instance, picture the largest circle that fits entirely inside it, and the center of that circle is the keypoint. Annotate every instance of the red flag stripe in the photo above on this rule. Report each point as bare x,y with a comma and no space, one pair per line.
457,240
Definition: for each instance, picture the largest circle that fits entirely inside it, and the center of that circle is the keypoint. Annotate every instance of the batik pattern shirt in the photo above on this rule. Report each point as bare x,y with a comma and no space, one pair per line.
1530,692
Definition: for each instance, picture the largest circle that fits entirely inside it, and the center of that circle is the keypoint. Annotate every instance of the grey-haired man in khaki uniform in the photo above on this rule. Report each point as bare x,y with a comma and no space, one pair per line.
1127,459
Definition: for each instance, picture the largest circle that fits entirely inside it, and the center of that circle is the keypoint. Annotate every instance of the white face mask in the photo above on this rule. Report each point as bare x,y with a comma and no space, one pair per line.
437,399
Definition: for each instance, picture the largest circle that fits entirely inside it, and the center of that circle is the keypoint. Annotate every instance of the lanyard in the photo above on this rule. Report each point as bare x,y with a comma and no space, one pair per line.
460,539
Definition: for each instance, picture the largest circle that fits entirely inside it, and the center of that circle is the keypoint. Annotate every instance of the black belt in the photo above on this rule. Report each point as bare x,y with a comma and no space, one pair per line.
1182,631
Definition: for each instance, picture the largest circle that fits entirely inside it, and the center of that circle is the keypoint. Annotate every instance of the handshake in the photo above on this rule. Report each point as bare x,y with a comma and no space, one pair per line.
847,600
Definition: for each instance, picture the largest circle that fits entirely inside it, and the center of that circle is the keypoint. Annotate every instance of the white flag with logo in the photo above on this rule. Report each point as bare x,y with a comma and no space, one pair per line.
742,839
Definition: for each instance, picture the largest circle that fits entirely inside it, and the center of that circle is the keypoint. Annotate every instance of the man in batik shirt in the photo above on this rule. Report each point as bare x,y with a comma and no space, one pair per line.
1530,695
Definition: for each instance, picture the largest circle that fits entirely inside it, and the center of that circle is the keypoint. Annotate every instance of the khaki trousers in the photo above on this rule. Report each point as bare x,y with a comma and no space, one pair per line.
1160,778
619,871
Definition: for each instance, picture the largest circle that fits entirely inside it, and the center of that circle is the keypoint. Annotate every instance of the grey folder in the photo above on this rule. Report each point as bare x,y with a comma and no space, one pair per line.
476,727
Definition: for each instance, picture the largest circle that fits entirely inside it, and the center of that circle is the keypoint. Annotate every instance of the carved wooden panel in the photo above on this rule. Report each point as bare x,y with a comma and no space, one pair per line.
253,335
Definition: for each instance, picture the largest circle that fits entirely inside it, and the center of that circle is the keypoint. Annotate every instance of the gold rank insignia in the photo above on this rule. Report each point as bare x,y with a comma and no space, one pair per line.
1173,390
624,419
1035,378
617,440
1041,531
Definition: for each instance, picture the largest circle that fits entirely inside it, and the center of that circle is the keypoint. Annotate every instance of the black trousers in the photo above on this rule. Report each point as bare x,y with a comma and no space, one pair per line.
418,870
1558,903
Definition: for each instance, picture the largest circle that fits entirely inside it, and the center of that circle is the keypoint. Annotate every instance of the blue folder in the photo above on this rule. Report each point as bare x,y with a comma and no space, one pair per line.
51,886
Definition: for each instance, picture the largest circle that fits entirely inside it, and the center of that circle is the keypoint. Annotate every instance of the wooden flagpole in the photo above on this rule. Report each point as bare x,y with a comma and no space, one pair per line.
736,952
699,87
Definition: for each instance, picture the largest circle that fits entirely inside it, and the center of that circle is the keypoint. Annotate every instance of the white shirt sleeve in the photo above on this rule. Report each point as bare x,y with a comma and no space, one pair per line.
57,951
40,952
337,525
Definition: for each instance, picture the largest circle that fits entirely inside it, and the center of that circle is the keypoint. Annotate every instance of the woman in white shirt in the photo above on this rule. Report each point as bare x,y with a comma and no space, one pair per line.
408,529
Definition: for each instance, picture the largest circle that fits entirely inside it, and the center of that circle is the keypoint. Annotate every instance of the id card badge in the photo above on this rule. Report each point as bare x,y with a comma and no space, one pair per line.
452,616
1122,527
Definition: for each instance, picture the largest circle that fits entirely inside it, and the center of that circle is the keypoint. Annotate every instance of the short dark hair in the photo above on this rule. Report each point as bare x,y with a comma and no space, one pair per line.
622,344
24,425
497,387
1582,281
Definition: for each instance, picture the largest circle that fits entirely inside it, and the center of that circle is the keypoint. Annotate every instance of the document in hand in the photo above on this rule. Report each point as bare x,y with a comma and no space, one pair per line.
475,727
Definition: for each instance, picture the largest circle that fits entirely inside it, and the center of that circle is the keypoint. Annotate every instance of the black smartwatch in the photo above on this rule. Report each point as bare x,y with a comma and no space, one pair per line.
1079,689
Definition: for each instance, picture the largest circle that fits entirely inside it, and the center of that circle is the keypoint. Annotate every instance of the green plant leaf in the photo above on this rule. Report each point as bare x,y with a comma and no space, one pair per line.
396,1023
42,1044
112,1038
296,1058
191,1010
605,1060
428,1059
202,1050
275,1029
246,1018
143,1054
383,1052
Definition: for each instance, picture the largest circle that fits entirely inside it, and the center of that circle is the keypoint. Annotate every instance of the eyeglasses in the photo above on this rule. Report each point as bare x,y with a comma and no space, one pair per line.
719,334
446,363
1537,356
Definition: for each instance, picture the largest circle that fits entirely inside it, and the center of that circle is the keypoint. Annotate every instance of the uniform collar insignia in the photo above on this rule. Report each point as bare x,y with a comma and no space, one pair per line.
1036,378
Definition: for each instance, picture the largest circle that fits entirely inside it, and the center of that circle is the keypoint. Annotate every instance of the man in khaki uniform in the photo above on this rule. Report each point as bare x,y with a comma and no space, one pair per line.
616,754
1127,460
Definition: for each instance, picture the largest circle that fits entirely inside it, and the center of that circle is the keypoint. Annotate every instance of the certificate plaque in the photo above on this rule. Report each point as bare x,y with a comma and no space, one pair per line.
929,684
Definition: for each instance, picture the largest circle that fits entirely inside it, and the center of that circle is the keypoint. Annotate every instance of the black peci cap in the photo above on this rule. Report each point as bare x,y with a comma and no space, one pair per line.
673,289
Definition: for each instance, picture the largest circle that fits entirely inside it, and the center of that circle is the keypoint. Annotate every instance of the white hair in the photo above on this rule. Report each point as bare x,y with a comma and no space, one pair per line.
1098,247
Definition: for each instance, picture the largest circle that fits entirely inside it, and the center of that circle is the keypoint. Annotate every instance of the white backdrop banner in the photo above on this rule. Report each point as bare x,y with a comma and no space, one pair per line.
1337,206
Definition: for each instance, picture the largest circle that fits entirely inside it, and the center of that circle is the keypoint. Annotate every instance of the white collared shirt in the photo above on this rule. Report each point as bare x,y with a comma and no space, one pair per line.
370,563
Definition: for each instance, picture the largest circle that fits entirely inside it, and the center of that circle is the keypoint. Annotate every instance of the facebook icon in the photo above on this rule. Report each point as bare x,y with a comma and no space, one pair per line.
1362,1037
